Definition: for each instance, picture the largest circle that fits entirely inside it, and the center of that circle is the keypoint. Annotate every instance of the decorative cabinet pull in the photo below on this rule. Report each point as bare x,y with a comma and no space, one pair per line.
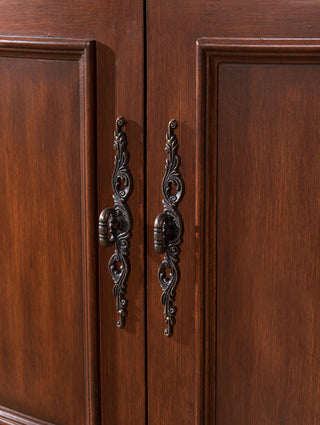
115,223
168,229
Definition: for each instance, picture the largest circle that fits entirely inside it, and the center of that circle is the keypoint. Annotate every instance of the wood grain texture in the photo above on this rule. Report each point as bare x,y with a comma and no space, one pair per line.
48,264
117,28
268,248
176,367
267,206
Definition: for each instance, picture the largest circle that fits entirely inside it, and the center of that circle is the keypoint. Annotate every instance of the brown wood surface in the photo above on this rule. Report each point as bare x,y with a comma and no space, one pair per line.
181,370
42,327
57,394
268,248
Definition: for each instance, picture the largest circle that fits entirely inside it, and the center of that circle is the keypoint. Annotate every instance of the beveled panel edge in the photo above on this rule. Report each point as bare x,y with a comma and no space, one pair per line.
205,220
211,44
210,53
11,417
42,47
89,232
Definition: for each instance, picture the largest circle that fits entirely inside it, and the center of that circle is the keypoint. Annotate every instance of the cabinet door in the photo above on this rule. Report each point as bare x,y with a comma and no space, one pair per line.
242,80
68,70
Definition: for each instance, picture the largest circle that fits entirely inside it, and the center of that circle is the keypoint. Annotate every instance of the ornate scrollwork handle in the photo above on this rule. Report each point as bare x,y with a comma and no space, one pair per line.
168,229
115,223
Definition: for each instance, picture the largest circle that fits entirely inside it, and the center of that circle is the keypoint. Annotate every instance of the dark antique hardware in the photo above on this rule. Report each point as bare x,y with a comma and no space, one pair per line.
168,229
115,223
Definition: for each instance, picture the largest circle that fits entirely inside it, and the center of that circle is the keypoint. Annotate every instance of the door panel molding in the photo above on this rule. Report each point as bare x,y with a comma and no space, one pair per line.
48,48
10,417
74,60
211,54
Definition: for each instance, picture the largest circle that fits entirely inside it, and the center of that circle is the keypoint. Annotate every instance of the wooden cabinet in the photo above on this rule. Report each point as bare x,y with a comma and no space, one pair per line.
241,79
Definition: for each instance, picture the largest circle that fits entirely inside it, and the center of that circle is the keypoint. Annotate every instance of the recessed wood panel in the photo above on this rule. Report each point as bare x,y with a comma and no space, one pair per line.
48,282
262,132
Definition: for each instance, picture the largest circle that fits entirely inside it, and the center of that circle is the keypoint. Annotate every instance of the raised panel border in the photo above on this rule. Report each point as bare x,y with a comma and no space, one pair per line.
211,52
83,52
10,417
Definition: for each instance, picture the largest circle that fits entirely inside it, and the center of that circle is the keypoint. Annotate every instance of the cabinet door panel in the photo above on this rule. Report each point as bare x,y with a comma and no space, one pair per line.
262,140
244,344
47,182
48,208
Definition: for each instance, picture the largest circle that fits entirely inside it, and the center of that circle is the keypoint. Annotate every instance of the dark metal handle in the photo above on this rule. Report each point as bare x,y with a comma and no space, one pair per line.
159,233
108,224
164,232
115,223
168,229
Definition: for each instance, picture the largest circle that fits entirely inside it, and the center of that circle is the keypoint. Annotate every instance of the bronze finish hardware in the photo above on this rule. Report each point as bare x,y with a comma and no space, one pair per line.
115,223
168,229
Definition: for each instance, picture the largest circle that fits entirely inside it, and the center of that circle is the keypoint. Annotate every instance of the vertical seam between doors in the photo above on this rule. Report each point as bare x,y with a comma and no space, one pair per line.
145,201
